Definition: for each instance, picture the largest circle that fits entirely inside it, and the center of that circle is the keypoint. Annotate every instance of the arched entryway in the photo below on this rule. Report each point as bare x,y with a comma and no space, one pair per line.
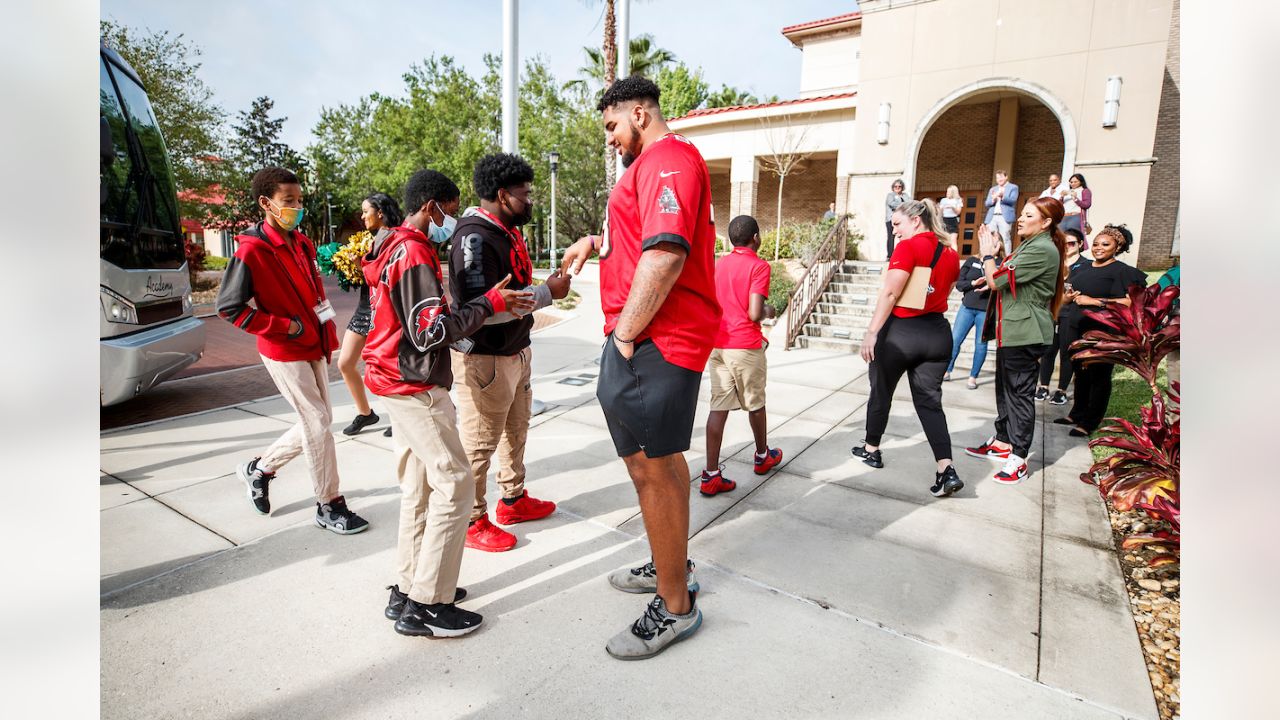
987,126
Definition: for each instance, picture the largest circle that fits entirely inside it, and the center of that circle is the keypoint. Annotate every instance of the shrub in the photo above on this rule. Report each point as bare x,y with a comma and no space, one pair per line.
1144,472
215,262
801,240
195,259
780,287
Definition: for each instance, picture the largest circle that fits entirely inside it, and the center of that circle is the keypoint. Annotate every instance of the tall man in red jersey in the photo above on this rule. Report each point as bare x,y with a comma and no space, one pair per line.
657,289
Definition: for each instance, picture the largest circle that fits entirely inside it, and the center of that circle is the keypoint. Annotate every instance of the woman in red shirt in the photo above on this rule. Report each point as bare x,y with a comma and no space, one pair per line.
916,342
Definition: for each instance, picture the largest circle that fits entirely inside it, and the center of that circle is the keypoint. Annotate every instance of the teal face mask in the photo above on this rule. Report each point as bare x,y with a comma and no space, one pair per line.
441,233
288,217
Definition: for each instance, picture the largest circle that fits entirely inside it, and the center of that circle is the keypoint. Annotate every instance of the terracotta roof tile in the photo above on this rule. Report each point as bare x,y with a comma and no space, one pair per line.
819,23
716,111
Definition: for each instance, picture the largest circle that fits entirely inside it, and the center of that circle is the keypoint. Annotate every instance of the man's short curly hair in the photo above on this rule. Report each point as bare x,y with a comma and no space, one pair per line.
266,181
427,185
634,87
497,171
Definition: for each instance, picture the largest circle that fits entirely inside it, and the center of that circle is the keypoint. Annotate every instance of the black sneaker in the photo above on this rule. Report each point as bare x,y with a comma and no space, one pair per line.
335,516
361,422
946,482
387,432
436,620
395,605
1042,393
1058,398
258,483
871,458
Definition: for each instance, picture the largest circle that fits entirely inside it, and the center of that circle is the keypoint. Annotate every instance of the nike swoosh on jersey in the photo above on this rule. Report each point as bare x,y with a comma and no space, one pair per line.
664,173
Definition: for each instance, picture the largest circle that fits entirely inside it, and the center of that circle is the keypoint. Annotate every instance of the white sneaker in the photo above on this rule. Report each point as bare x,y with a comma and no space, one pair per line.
1013,471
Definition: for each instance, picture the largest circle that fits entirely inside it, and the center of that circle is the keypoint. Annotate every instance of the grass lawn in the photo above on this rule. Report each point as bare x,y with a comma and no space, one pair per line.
1128,393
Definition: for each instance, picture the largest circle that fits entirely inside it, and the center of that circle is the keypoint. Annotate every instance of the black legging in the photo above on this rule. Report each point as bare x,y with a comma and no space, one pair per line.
920,347
888,243
1015,395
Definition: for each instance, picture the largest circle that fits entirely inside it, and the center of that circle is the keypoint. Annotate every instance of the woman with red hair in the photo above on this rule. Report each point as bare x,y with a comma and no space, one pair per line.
1026,294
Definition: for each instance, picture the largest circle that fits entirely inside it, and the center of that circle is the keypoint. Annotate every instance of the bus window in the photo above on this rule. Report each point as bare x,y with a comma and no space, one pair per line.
139,222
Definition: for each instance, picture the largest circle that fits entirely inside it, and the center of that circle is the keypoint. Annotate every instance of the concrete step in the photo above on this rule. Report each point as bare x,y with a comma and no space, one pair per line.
827,344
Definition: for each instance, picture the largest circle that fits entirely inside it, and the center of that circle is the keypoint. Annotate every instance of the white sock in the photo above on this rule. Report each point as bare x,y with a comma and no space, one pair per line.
763,455
1014,460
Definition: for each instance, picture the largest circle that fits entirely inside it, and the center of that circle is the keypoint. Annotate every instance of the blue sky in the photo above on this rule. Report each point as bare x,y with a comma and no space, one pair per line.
306,56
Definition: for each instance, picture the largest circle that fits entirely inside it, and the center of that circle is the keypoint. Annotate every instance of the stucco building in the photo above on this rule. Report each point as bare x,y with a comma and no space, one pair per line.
941,92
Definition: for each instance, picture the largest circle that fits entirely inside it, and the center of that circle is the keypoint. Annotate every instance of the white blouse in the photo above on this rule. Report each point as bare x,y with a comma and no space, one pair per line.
951,206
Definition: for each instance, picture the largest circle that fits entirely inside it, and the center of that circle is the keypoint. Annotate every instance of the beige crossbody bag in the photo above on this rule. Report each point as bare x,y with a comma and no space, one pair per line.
917,289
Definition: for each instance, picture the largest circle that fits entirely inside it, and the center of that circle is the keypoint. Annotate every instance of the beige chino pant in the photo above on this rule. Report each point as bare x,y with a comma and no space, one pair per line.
435,494
494,405
305,385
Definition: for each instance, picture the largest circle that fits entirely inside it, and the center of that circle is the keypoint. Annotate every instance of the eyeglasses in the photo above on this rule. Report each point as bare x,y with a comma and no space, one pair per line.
1073,242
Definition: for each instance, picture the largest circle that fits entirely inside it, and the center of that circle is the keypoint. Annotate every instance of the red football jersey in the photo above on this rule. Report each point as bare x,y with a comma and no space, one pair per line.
665,196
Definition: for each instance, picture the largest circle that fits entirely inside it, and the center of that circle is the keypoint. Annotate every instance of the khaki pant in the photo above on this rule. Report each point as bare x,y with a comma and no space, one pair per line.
305,385
738,379
435,494
494,405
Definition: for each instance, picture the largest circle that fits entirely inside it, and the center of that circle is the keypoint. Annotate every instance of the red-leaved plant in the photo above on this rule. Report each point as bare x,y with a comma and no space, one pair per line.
1144,471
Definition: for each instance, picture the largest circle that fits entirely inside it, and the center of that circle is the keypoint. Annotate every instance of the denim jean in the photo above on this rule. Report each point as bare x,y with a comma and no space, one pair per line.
968,319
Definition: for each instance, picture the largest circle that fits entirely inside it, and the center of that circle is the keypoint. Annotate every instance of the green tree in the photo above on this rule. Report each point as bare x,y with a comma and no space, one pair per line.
190,119
682,90
446,121
562,118
253,145
729,96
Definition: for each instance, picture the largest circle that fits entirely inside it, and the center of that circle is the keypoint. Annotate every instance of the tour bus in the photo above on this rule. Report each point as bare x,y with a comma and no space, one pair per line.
148,332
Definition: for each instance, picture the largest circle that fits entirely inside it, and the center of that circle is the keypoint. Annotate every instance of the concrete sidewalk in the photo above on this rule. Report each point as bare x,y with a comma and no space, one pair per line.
829,589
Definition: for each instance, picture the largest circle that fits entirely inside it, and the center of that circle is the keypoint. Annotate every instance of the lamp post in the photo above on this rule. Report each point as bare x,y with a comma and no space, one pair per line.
554,156
328,212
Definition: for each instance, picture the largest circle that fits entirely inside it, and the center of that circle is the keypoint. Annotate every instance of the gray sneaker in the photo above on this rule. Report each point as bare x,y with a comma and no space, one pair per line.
644,579
335,516
655,631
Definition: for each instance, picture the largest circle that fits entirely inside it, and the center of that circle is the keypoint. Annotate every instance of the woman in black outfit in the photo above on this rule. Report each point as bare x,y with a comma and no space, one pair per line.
916,342
1065,332
1105,281
380,214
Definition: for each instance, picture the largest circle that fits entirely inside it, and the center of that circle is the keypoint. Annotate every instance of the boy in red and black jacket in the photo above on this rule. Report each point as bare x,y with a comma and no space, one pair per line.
275,267
407,362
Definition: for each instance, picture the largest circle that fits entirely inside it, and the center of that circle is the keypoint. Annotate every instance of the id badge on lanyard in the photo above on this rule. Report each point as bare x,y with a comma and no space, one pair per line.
324,311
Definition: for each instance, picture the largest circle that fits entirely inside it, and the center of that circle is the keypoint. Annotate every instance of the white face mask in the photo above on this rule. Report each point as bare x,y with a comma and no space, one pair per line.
441,233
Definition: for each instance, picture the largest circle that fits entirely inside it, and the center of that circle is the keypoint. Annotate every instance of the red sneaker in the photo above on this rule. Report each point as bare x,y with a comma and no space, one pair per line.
715,484
1012,473
525,508
770,459
989,451
483,535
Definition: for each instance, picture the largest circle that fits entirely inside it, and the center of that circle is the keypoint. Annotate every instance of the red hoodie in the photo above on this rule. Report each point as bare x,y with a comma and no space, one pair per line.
407,350
283,282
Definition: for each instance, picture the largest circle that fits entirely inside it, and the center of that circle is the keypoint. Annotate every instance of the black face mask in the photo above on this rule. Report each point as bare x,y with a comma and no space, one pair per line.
521,218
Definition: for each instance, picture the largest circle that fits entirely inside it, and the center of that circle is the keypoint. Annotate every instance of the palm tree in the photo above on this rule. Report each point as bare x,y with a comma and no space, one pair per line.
646,59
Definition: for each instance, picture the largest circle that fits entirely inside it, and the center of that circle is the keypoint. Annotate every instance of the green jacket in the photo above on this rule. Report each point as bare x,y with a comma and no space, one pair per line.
1025,284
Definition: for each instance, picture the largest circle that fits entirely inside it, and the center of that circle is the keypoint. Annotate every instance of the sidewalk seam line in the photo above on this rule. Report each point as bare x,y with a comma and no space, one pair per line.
1044,485
915,639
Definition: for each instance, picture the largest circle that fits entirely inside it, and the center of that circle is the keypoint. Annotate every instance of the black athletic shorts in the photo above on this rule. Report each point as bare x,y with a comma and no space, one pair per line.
649,404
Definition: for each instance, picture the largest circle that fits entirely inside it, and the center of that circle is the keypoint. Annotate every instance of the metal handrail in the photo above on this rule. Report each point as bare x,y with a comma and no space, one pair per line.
828,260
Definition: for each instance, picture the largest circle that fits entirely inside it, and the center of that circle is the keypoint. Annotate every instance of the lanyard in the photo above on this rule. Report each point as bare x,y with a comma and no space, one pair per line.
521,265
